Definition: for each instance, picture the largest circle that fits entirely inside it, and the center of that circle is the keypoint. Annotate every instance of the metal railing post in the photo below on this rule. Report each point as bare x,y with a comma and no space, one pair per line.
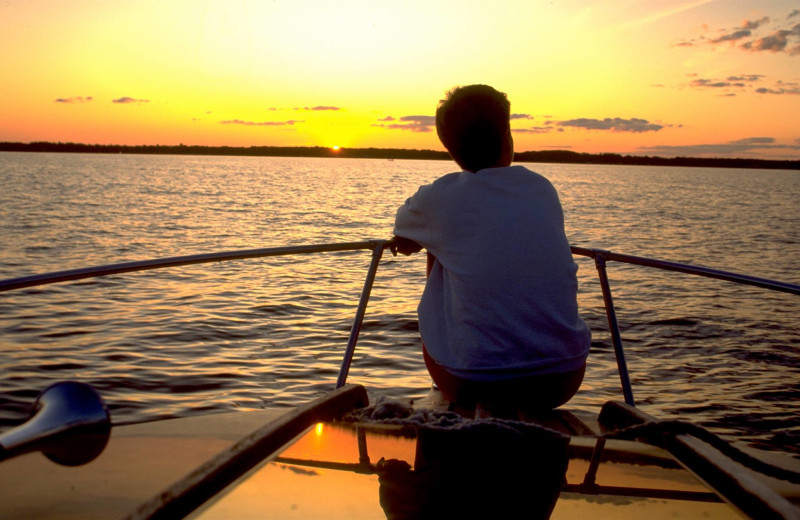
377,253
616,339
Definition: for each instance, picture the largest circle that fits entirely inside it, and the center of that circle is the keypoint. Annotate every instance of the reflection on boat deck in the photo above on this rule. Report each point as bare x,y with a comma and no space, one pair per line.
357,470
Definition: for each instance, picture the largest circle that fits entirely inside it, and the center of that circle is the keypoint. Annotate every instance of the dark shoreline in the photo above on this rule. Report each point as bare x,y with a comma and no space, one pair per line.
554,156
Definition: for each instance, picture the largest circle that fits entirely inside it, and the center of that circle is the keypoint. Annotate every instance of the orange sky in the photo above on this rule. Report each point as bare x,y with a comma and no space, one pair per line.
700,77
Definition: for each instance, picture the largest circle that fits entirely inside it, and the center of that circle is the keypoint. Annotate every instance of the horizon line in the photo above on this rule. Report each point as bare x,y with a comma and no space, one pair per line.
554,155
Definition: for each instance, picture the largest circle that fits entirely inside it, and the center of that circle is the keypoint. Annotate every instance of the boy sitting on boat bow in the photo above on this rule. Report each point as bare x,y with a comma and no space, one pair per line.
499,316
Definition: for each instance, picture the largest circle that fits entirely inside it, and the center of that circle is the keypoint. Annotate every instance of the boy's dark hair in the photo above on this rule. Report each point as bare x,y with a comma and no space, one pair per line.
473,124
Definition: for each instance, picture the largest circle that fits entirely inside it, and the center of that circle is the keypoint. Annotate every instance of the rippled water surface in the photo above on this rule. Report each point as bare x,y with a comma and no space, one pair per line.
270,332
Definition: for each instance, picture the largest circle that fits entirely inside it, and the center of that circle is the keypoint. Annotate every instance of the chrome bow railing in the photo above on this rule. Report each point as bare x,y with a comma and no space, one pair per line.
601,257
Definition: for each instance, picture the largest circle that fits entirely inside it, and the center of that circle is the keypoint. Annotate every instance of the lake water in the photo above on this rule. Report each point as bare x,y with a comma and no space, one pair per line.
257,333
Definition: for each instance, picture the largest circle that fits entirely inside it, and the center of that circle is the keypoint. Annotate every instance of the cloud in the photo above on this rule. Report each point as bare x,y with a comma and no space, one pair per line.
781,88
387,118
736,35
755,24
781,39
320,108
746,77
521,116
755,140
739,146
78,99
290,122
615,124
535,130
127,99
731,82
703,83
421,120
778,41
412,123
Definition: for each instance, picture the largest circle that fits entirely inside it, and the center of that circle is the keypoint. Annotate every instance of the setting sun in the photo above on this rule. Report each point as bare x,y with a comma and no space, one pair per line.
336,148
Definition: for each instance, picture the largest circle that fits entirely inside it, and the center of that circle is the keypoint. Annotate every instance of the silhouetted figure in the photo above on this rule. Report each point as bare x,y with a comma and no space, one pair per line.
499,316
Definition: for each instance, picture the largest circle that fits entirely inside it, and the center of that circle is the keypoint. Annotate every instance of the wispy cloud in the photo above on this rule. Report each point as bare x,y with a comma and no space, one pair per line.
710,83
746,77
615,124
738,82
320,108
411,123
290,122
732,37
78,99
742,83
739,33
781,87
740,146
755,24
783,40
126,99
780,38
536,130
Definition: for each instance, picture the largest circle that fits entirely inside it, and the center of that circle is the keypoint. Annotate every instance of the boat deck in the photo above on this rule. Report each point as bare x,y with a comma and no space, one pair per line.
140,461
146,464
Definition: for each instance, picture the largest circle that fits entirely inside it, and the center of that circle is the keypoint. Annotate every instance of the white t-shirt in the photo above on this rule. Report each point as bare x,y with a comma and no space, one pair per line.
500,300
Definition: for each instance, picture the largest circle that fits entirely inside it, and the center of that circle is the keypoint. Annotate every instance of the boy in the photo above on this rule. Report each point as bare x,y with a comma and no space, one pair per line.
499,315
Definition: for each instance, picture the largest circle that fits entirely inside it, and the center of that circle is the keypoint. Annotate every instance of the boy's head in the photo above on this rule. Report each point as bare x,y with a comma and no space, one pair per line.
473,124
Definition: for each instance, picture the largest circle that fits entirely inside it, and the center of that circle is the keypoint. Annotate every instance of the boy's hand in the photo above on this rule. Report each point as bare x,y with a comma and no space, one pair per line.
405,246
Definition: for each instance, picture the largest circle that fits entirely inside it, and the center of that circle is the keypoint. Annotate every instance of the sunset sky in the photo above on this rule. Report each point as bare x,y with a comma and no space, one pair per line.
700,77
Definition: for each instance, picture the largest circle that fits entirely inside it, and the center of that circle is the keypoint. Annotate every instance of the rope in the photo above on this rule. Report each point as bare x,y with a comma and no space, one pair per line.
401,413
657,433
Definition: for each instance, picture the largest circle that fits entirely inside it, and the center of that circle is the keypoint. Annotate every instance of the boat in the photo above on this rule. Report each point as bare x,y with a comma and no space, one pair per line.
342,456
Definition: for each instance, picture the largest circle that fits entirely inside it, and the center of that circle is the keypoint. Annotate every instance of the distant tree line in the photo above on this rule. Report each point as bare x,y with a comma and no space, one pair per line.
262,151
566,156
550,156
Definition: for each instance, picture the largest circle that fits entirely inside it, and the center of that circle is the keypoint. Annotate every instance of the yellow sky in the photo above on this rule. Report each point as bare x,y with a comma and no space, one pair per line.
694,77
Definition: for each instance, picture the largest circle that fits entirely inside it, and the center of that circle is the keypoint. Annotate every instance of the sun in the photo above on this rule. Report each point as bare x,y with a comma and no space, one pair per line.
336,148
